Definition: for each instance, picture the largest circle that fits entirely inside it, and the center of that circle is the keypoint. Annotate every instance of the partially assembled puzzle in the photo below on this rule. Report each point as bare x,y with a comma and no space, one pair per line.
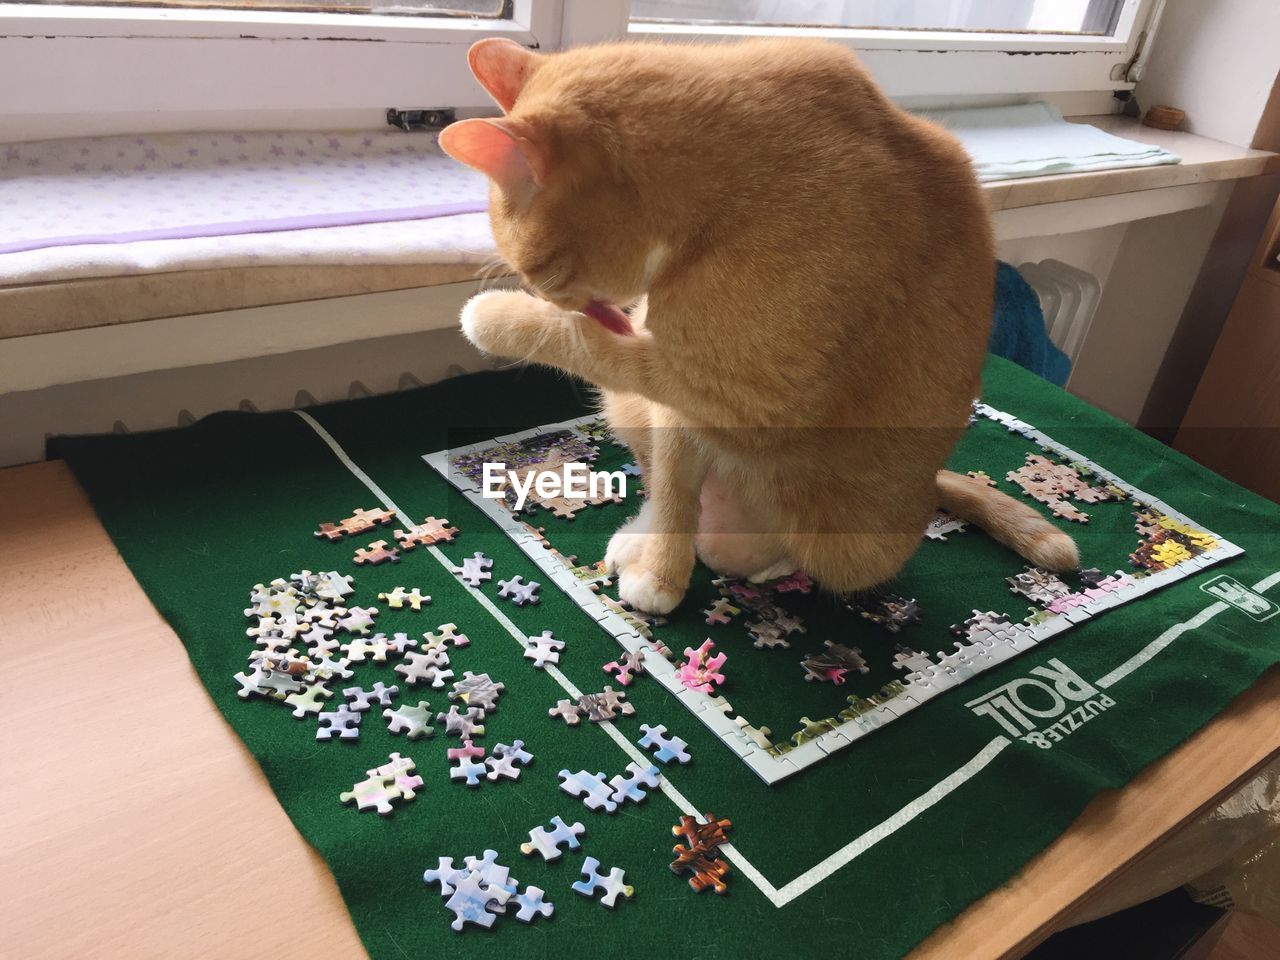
783,652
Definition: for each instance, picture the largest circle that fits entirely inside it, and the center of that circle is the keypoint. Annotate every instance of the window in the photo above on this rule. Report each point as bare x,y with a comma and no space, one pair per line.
71,68
497,9
1006,16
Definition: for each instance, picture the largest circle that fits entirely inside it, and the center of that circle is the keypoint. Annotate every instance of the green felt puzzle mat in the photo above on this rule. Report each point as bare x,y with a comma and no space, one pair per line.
858,688
905,803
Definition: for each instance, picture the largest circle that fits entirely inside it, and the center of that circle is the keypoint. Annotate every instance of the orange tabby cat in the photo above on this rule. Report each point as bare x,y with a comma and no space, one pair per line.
812,274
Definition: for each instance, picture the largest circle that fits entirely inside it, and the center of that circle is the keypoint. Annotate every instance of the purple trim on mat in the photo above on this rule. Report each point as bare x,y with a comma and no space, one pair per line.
232,228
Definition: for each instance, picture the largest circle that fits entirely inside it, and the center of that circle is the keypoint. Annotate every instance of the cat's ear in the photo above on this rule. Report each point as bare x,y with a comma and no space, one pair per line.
505,150
503,67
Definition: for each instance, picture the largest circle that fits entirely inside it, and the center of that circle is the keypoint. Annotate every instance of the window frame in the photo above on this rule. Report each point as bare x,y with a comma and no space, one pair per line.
532,23
189,69
946,65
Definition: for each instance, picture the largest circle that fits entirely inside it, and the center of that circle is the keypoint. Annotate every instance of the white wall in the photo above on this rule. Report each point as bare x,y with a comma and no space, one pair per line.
1217,60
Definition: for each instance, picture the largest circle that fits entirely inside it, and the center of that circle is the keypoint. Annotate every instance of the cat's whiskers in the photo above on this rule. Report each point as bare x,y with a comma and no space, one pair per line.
491,272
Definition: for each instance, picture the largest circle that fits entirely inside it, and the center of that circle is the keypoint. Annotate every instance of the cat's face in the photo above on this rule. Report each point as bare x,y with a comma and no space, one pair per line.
565,212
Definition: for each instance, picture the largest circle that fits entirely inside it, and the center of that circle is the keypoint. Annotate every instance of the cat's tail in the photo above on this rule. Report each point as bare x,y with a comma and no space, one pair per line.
1011,522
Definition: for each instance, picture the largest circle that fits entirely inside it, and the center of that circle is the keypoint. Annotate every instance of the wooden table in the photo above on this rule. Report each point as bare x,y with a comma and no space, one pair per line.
137,825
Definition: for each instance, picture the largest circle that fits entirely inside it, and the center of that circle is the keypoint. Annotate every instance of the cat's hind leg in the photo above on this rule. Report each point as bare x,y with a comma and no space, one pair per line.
735,541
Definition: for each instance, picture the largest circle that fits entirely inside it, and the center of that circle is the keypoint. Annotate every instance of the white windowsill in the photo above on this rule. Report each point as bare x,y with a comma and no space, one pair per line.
1034,206
1203,161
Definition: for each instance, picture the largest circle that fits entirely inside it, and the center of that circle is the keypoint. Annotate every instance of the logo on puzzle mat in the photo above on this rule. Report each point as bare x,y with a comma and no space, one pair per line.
1249,602
1044,708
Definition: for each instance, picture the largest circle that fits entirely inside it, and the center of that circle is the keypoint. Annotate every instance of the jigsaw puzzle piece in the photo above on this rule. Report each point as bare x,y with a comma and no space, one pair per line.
611,885
465,766
668,748
549,843
413,722
595,792
532,905
630,787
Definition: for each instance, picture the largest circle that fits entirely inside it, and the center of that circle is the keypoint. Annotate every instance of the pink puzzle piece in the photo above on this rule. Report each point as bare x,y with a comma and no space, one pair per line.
701,671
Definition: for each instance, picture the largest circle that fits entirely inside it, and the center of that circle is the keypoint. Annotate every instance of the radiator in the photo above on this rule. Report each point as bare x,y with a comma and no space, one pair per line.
1068,298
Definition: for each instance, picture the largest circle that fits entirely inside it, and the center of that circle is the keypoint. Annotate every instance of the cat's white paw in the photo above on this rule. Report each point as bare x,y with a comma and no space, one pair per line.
782,568
626,543
645,591
504,322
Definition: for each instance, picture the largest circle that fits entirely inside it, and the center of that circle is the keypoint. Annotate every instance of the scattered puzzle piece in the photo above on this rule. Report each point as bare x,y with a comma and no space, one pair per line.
465,723
942,524
413,722
477,690
543,649
492,874
699,855
444,874
471,900
507,761
426,534
704,871
567,710
602,706
308,699
611,885
797,582
630,786
710,835
375,648
668,748
1055,484
548,842
325,667
626,667
429,668
341,723
376,553
446,635
398,597
721,612
475,569
833,663
701,670
394,780
887,609
360,521
357,620
519,592
532,904
465,766
400,643
361,700
592,788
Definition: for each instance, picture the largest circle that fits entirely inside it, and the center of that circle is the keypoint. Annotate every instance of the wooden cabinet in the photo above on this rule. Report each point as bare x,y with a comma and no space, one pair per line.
1233,423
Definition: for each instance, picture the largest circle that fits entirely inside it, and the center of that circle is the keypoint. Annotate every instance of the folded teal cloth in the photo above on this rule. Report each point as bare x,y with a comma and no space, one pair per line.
1017,329
1032,139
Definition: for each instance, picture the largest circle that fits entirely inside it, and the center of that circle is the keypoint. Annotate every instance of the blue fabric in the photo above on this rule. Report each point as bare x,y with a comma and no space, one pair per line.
1018,331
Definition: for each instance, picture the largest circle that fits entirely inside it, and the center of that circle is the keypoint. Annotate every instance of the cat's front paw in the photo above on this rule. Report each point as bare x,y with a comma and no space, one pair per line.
506,322
627,543
645,590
